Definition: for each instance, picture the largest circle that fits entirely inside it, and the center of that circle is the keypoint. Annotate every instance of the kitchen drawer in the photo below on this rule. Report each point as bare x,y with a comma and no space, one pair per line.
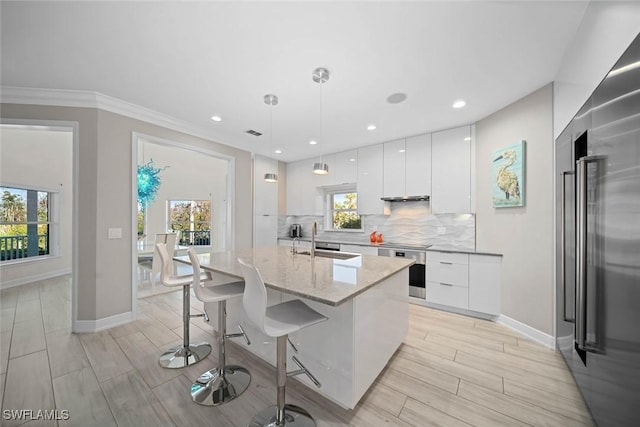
449,273
454,296
454,258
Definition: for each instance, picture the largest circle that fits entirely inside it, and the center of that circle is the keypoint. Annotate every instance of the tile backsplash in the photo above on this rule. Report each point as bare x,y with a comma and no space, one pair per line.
409,223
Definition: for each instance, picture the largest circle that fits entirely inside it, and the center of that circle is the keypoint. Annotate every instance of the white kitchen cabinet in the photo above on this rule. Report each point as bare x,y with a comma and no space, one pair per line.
466,281
394,168
407,167
294,171
370,181
359,249
484,284
448,279
303,195
346,167
265,194
265,230
451,171
418,165
265,203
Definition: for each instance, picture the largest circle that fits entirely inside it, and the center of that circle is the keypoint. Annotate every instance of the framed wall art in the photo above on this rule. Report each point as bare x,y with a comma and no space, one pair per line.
508,176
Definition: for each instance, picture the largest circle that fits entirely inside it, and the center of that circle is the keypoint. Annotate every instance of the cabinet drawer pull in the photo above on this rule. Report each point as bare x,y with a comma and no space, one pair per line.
446,284
447,263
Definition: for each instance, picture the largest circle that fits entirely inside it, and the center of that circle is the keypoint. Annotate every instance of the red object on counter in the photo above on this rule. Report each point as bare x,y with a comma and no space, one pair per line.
373,237
379,238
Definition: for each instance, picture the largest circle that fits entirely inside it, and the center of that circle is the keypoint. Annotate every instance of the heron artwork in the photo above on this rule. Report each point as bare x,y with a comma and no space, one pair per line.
508,177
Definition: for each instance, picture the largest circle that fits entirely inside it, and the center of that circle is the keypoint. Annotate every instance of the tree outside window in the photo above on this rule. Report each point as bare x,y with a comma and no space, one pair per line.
192,218
344,211
24,223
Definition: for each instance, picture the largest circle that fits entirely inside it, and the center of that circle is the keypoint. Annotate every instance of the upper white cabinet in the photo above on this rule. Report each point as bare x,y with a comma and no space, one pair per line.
265,193
346,167
369,183
343,168
407,167
451,171
265,203
394,168
418,165
303,196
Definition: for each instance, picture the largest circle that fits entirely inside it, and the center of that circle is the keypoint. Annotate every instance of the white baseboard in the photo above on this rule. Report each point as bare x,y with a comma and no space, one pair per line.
91,326
528,331
6,284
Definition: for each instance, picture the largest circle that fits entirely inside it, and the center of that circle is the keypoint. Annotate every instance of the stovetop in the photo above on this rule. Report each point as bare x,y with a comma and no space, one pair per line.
405,246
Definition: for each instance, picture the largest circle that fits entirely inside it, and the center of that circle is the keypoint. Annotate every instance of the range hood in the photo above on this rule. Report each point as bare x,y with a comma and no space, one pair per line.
424,198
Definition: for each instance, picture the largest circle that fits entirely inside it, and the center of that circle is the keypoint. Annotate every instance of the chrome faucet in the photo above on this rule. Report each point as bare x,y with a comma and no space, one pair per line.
314,230
294,248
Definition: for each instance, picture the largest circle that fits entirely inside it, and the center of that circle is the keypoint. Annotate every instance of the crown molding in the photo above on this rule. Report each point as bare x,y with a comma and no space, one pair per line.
89,99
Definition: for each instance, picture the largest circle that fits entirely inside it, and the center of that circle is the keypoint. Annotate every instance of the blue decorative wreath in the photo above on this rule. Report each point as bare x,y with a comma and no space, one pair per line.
148,182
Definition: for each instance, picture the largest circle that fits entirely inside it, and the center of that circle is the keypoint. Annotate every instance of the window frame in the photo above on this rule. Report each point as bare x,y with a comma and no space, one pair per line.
330,210
169,222
52,223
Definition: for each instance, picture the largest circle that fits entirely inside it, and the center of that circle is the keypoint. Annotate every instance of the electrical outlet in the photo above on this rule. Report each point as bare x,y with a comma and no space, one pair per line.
115,233
442,230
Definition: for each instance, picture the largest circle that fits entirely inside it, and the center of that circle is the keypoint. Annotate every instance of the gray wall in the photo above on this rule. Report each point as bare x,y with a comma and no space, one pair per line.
524,235
104,199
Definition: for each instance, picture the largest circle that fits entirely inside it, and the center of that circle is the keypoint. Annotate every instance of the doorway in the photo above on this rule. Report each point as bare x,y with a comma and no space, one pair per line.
38,231
182,190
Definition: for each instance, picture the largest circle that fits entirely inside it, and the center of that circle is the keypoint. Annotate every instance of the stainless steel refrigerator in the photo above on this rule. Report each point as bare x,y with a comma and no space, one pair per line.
598,245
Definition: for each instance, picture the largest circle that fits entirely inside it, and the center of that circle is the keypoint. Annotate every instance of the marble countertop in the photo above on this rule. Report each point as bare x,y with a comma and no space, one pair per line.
325,280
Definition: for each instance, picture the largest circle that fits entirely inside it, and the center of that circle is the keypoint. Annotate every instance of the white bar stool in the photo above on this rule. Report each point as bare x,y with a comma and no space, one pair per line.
187,353
225,382
279,321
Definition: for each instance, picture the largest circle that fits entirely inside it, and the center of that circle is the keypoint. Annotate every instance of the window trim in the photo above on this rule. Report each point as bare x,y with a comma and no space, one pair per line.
53,195
210,222
329,210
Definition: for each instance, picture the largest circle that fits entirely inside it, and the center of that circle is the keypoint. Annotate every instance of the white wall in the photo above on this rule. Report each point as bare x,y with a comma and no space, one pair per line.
524,235
42,159
606,30
189,176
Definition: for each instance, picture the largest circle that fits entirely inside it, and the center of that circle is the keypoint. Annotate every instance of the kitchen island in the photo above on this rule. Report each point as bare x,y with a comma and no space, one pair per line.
364,297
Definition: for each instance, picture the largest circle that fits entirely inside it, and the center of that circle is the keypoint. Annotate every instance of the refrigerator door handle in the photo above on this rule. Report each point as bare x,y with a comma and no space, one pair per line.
581,251
591,344
563,263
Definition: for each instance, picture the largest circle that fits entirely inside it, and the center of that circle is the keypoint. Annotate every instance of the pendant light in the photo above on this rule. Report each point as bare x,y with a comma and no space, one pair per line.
320,75
271,101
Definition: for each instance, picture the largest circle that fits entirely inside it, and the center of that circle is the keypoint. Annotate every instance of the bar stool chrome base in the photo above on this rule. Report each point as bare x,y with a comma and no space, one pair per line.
181,356
294,416
212,389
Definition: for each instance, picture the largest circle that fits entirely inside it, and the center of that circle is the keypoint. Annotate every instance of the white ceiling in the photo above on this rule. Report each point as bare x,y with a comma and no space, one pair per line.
193,60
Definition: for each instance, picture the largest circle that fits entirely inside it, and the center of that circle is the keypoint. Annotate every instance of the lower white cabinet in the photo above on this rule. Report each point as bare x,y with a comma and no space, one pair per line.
466,281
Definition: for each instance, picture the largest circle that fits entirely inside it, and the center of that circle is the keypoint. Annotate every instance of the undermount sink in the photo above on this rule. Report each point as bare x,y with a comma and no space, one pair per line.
330,254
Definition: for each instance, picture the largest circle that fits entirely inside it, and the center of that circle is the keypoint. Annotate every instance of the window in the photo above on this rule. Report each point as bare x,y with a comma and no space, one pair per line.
192,218
24,223
343,211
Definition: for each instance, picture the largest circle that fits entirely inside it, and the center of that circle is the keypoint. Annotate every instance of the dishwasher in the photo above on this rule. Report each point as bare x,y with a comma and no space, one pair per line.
417,272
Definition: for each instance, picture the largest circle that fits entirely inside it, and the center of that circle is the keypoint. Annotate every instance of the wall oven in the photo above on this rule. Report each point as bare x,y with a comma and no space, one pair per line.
417,272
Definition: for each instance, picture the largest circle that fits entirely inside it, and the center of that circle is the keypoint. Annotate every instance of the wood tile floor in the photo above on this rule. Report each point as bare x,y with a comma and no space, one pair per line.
451,371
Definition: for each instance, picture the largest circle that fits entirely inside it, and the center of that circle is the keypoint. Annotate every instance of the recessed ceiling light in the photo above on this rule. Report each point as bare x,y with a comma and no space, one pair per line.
396,98
352,160
313,142
371,127
459,103
216,118
468,138
401,150
278,151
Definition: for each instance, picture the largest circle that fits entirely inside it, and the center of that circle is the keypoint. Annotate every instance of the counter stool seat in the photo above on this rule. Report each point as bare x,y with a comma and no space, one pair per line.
188,353
224,382
278,321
